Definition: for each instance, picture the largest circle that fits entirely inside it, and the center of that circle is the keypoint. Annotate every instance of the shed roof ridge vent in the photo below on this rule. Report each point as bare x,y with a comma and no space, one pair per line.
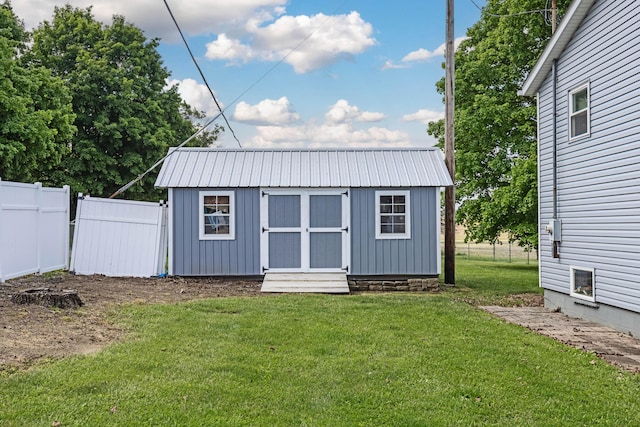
302,150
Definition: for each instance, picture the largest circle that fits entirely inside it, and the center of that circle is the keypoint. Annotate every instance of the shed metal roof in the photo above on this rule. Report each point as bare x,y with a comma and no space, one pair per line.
213,167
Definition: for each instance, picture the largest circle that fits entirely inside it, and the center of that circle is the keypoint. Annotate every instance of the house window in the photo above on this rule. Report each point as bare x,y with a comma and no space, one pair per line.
393,220
217,215
579,114
582,283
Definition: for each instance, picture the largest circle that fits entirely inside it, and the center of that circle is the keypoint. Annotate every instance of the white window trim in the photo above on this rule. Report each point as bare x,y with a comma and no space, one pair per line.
572,269
232,216
407,217
572,113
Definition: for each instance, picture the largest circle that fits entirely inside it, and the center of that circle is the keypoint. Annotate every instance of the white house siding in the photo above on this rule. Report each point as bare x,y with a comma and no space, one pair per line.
598,176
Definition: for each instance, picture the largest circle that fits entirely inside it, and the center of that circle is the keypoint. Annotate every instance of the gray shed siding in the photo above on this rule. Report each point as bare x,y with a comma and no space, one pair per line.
369,256
195,257
598,176
418,255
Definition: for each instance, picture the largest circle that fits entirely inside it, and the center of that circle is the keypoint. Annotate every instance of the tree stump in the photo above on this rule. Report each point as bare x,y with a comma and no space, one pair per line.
65,298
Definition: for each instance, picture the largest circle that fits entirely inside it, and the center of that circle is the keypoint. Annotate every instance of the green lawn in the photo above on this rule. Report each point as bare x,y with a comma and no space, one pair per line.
320,360
483,282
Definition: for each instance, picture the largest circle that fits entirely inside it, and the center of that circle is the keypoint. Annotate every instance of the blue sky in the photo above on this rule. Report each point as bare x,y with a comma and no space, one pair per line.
353,73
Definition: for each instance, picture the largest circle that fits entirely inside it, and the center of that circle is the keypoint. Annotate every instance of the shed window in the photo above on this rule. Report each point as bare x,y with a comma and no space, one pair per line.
217,215
579,114
393,220
582,283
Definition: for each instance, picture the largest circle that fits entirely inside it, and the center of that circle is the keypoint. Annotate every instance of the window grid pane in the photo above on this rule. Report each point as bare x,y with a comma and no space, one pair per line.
392,214
579,124
579,112
580,100
583,282
216,215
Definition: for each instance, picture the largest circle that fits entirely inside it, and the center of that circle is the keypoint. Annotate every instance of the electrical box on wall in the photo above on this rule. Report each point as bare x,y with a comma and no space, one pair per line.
554,228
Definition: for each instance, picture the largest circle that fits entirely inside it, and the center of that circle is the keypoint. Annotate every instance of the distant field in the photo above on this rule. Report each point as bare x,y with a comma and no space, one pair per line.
503,251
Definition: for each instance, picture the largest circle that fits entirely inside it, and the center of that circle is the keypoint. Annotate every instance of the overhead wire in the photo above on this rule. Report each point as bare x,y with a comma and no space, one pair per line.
526,12
284,58
193,58
222,110
155,165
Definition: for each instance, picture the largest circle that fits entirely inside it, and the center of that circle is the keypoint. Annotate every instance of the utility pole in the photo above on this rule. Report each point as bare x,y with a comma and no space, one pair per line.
554,15
449,156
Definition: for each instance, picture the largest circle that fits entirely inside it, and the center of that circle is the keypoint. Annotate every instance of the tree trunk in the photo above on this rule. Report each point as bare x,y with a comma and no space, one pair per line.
48,298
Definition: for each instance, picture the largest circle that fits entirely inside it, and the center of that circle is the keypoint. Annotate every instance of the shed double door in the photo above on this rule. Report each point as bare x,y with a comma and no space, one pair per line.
304,230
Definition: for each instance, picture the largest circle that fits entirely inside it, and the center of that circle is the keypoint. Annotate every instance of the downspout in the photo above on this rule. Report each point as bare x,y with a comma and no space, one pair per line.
554,143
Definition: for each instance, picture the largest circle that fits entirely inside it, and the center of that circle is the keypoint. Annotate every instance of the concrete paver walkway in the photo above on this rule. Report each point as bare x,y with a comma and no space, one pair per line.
611,345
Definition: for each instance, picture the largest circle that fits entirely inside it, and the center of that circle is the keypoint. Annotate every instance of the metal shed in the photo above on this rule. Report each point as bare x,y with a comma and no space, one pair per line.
251,212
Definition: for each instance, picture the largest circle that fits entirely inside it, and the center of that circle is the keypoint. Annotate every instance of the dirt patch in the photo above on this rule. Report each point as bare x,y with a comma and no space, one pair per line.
523,300
515,300
29,333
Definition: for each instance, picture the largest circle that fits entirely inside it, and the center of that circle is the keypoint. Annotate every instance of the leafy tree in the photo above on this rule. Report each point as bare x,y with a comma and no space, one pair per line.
126,117
495,129
35,110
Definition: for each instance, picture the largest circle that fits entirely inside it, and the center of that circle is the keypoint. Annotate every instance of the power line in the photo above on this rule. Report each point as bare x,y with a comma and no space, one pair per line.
221,113
155,165
193,58
295,48
527,12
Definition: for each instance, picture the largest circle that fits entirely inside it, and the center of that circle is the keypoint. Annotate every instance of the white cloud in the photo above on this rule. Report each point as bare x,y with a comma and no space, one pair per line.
328,135
246,29
266,112
196,95
390,65
194,16
421,55
339,129
231,50
342,112
306,43
423,116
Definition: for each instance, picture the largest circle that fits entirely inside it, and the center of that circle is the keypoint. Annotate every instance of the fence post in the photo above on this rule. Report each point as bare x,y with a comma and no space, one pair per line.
1,276
39,219
67,197
75,231
158,243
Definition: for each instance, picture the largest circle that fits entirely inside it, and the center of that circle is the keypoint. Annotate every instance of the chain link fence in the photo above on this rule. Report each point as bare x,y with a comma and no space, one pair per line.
509,252
504,251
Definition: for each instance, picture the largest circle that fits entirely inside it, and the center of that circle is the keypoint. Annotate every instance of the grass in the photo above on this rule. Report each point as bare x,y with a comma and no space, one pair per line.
486,282
320,360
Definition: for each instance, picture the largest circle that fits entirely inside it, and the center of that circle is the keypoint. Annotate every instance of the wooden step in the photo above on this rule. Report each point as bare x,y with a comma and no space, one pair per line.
326,283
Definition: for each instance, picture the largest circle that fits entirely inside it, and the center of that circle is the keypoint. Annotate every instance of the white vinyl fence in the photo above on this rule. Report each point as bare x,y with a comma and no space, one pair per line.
34,229
121,238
